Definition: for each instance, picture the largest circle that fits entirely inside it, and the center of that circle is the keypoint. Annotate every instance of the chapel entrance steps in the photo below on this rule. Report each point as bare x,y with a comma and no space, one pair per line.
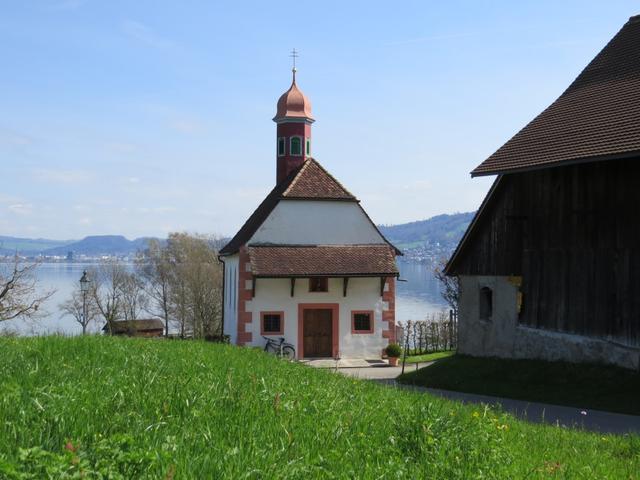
344,362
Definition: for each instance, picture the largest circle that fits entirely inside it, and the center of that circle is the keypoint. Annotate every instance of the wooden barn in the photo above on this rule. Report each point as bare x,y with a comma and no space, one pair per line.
550,266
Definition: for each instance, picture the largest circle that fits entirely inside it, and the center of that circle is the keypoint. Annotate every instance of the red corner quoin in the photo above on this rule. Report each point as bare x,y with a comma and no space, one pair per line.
244,317
389,314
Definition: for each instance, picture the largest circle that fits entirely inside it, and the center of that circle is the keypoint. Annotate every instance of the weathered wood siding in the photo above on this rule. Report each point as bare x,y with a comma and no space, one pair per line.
573,234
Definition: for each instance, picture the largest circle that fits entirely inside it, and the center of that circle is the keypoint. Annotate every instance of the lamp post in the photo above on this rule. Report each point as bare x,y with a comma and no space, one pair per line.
84,288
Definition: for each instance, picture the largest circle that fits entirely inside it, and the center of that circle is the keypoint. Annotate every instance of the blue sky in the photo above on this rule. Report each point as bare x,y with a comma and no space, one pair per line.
145,117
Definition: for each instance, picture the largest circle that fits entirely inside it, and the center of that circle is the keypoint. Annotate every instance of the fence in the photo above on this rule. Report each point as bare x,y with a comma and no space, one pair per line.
436,333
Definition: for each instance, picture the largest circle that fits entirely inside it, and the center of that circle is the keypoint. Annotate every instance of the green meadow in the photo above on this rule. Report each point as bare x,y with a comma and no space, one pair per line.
597,387
100,407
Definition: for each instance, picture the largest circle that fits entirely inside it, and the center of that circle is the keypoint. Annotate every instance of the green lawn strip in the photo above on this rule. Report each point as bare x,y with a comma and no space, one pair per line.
430,357
101,407
585,386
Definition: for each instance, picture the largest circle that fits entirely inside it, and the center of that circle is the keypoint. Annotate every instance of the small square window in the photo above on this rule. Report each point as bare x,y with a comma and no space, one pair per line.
362,322
272,323
281,146
318,284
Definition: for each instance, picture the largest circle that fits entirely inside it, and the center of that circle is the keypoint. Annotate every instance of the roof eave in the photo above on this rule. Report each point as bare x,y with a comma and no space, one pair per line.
328,275
322,199
449,267
541,166
294,119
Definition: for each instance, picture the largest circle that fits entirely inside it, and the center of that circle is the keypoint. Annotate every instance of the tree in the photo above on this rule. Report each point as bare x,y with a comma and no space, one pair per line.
195,283
107,289
19,293
133,297
74,306
450,285
154,268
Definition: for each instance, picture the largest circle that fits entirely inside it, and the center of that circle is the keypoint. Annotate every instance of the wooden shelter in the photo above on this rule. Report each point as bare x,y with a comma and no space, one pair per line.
152,327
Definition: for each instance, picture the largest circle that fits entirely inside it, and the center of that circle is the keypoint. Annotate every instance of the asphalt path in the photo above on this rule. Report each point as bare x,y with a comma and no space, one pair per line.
569,417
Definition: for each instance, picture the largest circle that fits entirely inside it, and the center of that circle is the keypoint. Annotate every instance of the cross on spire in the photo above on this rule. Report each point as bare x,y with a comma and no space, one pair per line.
294,55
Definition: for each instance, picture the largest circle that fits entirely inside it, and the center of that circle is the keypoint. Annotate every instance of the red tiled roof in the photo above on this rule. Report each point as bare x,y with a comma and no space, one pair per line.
597,117
313,181
309,181
323,260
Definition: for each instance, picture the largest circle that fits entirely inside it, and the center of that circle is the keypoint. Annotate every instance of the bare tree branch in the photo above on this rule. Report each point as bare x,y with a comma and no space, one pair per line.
153,267
75,307
450,285
106,291
19,292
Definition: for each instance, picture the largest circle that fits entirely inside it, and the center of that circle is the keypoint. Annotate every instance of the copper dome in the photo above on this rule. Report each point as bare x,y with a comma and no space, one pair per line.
293,104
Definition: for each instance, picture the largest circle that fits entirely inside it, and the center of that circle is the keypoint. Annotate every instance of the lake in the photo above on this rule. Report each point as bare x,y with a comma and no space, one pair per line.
416,297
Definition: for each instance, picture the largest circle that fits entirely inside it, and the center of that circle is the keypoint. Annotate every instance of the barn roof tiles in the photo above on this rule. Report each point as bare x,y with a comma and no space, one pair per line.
596,118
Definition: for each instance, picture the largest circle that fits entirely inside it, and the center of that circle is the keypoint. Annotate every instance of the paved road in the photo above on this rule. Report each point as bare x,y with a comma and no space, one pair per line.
593,420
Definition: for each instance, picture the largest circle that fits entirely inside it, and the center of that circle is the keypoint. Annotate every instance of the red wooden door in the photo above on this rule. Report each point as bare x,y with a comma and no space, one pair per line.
317,333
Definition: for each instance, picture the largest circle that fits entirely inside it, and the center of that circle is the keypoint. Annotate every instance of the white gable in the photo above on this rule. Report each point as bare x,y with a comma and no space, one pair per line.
314,222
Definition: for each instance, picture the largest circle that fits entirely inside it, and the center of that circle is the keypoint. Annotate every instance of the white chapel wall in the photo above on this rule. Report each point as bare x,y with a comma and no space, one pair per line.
231,297
308,222
362,294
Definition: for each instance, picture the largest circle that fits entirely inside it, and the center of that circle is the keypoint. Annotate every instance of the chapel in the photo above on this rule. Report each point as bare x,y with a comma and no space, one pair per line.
309,265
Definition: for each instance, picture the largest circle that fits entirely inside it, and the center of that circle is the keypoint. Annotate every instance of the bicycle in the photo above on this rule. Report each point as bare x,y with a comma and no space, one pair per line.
280,349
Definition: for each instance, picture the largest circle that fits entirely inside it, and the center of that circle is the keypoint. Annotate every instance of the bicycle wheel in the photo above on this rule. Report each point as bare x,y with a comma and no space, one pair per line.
271,348
288,352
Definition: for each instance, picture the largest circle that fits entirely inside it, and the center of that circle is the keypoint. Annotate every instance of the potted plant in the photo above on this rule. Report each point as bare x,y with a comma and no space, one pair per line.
393,351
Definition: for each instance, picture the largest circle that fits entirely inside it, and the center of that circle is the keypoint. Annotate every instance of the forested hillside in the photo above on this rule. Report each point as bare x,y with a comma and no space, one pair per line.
443,230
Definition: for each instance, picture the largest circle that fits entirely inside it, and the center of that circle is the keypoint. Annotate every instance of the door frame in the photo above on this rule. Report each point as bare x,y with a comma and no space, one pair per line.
335,325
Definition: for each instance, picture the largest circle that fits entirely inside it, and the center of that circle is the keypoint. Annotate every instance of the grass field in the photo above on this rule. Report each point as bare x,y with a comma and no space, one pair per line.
430,357
122,408
585,386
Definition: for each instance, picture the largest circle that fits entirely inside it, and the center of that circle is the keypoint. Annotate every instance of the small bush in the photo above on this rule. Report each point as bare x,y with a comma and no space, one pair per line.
393,350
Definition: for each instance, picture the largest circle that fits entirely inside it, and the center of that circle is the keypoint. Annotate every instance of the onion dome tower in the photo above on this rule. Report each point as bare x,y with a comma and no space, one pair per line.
293,120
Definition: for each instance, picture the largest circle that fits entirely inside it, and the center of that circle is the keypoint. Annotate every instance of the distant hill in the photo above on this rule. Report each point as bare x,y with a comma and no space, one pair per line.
101,245
95,245
9,245
442,231
445,230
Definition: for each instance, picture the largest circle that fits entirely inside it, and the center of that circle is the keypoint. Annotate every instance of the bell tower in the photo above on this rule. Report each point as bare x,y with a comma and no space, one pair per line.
293,119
